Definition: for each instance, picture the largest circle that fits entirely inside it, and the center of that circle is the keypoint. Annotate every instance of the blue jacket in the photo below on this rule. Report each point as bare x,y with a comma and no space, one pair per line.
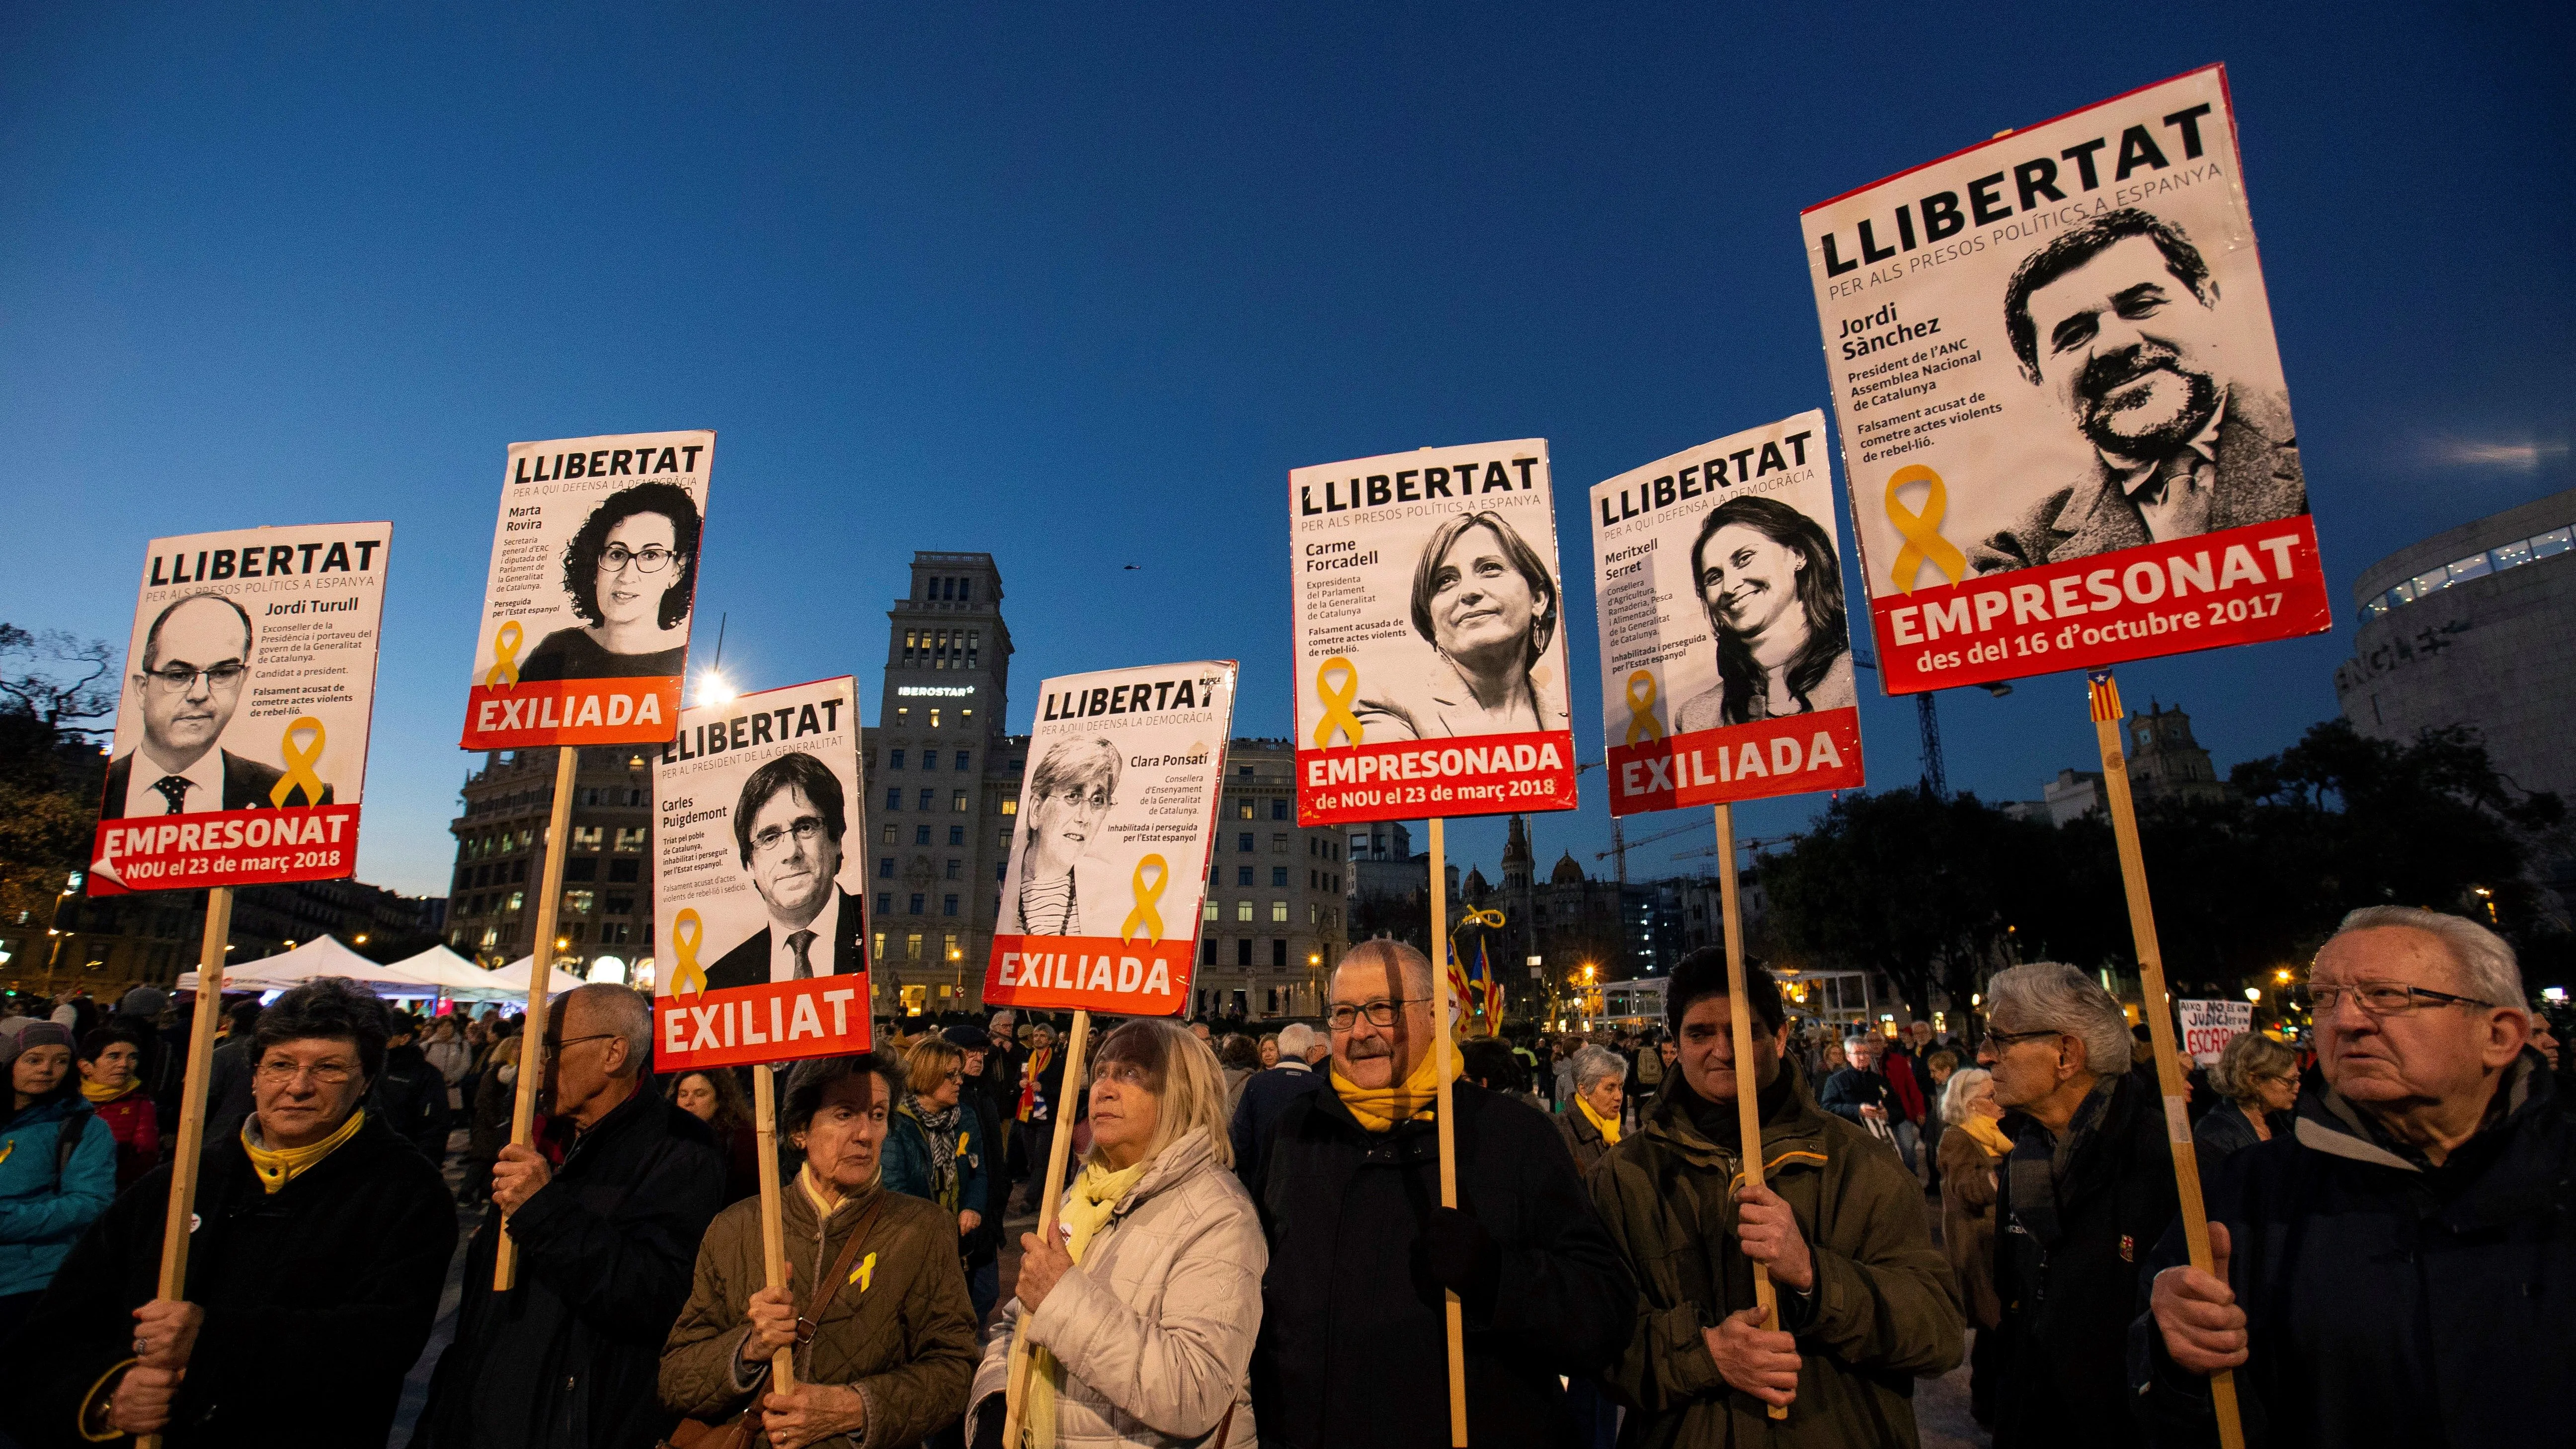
43,1213
907,1159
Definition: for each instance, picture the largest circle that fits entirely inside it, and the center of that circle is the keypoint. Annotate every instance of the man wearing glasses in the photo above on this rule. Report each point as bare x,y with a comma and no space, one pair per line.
1353,1349
2398,1269
788,826
196,660
2082,1198
319,1244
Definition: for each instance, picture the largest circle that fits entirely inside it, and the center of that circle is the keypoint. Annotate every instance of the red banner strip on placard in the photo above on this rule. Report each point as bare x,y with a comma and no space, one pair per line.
641,711
1787,756
2238,586
1090,973
224,848
782,1021
1483,775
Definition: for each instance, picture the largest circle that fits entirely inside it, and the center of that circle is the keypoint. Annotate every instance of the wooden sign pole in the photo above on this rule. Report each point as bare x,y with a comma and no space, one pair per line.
1748,1109
541,971
1015,1388
2157,1007
773,1226
188,1151
1442,1047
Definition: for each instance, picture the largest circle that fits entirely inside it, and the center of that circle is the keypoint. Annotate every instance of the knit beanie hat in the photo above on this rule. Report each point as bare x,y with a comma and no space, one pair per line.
33,1034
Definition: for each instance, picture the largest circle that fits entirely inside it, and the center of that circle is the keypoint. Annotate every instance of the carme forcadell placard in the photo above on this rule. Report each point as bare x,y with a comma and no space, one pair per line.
1726,662
759,925
2063,418
241,736
1429,639
1109,850
584,636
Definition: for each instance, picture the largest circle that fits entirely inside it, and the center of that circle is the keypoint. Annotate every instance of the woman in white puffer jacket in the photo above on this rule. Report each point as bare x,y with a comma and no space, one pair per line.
1141,1316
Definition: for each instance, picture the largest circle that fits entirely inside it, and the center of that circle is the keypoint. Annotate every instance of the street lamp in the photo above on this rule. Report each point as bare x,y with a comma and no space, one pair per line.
2254,994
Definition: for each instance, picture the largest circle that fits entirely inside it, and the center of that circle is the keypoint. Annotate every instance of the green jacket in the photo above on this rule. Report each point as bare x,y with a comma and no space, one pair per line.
1885,1307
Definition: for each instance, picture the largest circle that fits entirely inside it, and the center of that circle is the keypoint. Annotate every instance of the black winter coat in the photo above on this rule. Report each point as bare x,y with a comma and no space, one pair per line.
570,1358
412,1098
2390,1302
1353,1351
1851,1089
318,1299
2068,1302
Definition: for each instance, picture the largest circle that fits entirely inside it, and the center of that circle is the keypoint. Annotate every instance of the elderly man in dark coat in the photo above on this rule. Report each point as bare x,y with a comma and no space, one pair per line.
1353,1351
2397,1269
607,1218
313,1269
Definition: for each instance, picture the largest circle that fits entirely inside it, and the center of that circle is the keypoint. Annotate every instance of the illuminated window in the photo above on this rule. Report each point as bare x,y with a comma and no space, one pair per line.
1243,910
957,801
934,724
912,946
1279,913
1208,912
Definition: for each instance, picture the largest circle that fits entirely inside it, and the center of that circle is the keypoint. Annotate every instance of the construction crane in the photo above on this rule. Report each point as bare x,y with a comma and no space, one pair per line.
1927,721
1750,842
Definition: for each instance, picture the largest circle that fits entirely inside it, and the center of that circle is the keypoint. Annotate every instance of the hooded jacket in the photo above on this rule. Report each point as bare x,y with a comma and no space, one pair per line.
2389,1301
568,1357
902,1335
49,1197
1353,1341
318,1298
1883,1309
1155,1326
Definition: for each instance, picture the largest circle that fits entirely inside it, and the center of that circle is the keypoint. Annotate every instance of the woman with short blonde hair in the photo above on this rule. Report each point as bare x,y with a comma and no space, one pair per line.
1141,1320
2258,1083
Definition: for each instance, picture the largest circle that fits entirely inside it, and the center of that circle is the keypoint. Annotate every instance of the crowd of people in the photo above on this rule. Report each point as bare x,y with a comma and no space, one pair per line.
1251,1248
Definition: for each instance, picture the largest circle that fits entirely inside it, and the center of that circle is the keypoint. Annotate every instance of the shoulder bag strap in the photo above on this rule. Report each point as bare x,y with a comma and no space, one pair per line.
840,1274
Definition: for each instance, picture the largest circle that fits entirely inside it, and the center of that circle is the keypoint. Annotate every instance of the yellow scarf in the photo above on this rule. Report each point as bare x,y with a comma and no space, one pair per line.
1609,1129
1085,1212
1379,1109
278,1166
1989,1136
101,1094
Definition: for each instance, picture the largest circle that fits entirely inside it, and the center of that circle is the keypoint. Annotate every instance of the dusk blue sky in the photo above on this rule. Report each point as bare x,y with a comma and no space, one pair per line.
1077,285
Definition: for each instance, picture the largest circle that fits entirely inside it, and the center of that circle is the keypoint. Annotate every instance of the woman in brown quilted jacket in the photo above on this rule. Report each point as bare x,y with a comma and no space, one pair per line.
888,1359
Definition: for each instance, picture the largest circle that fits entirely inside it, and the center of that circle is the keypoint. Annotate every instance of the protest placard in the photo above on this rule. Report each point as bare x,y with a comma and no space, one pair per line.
1109,850
241,732
1429,636
760,930
1726,660
2208,1026
585,627
2063,418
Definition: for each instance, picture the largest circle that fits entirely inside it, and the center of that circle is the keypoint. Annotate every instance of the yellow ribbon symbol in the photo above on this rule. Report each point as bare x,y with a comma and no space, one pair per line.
1641,712
1923,541
865,1273
1145,920
300,760
1338,699
505,643
686,932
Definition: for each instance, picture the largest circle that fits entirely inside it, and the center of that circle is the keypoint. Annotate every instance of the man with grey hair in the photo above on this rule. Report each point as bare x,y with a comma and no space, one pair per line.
2397,1269
1268,1092
1353,1340
2086,1192
607,1210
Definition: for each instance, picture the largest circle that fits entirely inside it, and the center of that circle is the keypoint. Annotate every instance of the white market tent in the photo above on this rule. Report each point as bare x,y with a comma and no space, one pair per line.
321,956
513,979
460,978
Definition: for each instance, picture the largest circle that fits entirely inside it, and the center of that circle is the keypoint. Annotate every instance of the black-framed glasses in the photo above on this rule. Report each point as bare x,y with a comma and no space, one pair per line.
651,559
2383,998
1379,1013
555,1044
180,678
804,828
2002,1039
328,1074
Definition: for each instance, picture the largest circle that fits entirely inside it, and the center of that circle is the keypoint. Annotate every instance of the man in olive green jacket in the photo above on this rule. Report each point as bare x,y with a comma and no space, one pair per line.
1866,1302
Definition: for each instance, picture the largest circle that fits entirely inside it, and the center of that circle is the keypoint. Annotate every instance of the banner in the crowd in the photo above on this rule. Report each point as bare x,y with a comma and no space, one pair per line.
241,733
1109,848
2064,424
585,628
1429,623
1726,660
760,930
2208,1026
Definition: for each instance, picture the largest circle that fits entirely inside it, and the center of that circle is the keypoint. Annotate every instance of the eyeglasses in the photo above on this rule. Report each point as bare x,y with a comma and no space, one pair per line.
804,828
652,560
1379,1013
180,678
1125,1074
556,1044
2382,998
2002,1039
327,1074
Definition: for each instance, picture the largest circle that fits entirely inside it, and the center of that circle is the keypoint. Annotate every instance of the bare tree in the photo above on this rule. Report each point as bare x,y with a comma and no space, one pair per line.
56,677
